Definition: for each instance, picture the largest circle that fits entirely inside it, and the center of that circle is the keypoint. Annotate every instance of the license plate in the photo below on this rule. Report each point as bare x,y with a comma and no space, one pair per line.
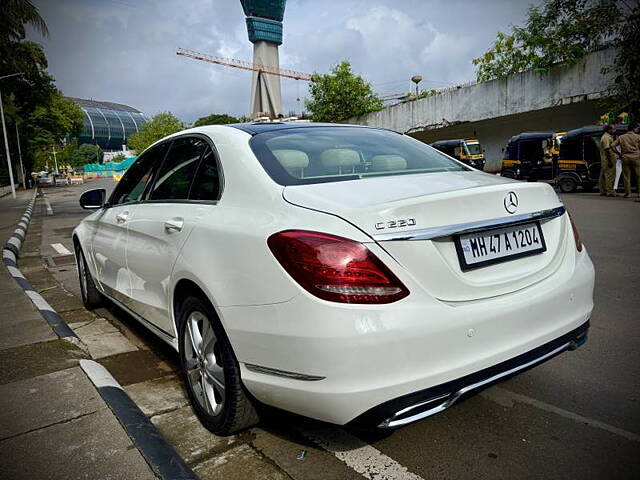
484,248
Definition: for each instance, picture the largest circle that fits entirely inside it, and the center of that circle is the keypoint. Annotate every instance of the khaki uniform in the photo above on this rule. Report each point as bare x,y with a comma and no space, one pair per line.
607,165
630,149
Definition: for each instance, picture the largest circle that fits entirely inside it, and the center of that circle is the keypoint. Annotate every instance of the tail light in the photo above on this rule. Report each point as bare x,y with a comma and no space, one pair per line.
576,235
335,268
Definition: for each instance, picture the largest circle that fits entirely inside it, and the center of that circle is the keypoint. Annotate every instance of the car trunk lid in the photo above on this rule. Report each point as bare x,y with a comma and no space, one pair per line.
391,209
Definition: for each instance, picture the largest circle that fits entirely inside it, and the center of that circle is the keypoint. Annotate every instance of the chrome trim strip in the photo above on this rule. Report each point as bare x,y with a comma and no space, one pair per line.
390,422
282,373
460,228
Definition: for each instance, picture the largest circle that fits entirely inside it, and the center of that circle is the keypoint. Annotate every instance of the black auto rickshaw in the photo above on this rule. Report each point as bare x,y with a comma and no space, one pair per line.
529,156
468,151
579,159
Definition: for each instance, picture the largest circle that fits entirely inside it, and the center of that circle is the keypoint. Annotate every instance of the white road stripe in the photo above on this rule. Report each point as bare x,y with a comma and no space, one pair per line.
361,457
60,248
48,205
498,395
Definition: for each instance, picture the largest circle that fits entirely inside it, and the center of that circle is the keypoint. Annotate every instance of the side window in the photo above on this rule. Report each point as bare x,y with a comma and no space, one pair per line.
177,171
207,183
133,183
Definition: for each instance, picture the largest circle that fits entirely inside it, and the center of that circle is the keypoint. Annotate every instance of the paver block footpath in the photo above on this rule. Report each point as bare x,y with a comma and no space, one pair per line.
37,402
158,396
101,338
184,431
239,463
36,359
90,447
148,366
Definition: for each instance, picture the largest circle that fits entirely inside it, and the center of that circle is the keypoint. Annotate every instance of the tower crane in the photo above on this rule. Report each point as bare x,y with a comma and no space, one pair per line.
232,62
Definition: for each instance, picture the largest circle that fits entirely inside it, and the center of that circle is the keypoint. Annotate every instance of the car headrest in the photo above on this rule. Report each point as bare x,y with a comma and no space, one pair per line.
292,160
340,158
383,163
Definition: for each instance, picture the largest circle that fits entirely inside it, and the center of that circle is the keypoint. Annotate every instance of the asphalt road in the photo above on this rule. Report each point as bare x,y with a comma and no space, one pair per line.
576,416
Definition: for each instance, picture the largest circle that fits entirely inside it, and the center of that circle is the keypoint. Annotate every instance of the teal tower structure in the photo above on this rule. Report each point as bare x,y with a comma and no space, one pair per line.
264,26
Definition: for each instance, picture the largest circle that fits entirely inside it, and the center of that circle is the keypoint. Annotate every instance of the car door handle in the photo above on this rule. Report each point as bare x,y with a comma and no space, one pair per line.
122,217
174,225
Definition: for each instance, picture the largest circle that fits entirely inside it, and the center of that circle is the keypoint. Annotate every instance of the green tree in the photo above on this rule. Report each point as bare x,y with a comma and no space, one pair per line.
14,15
556,32
70,156
32,101
625,92
340,95
215,119
161,125
90,153
118,158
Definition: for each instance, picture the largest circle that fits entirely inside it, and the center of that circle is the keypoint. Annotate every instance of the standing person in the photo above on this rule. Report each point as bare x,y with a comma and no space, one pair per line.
607,162
618,170
630,148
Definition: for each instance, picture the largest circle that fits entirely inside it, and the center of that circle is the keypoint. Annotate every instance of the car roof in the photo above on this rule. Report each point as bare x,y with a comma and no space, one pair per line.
530,136
591,129
447,142
255,128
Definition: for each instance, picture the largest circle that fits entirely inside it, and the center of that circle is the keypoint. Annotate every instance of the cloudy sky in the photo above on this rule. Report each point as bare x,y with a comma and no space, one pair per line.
124,50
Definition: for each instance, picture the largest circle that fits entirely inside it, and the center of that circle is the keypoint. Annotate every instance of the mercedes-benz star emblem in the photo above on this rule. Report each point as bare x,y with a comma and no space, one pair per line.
511,202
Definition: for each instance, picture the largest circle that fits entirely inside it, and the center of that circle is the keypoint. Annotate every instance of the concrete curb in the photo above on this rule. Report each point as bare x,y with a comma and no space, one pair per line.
10,253
161,456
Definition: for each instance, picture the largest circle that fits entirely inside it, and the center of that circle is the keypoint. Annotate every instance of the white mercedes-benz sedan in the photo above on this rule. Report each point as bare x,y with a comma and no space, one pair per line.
345,273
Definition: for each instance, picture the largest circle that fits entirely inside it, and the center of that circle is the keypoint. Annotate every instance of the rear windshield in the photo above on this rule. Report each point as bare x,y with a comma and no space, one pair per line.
329,154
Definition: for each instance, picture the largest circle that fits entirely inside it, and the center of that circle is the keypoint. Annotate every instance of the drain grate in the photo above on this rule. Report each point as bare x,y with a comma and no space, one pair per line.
60,260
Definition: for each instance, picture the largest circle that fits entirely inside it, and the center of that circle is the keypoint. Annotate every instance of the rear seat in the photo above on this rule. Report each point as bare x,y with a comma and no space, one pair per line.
293,161
340,160
386,163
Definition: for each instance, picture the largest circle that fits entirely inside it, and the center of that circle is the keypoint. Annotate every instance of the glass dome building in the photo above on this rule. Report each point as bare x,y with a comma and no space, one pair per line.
108,124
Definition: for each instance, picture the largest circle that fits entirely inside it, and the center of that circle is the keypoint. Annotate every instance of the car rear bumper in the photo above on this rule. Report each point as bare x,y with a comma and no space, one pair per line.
339,362
416,406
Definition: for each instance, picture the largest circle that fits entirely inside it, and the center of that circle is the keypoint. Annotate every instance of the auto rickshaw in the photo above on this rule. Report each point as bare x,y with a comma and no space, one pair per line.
529,156
468,151
579,159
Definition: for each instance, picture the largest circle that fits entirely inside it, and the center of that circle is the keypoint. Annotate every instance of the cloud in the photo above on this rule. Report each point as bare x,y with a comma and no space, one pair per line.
124,50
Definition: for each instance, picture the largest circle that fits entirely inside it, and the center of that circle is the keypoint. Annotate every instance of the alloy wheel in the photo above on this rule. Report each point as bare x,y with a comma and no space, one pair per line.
204,372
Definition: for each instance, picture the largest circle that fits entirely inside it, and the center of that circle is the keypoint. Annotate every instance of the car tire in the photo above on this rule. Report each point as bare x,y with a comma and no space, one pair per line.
91,296
567,185
211,371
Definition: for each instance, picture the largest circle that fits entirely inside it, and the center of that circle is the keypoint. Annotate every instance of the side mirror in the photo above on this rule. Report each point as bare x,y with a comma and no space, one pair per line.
93,199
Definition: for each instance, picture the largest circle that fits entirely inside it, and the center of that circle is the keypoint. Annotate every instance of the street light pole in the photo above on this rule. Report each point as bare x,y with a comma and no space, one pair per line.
55,161
6,140
6,147
24,179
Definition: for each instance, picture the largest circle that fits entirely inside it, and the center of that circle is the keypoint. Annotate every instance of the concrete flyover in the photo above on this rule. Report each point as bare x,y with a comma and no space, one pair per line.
564,98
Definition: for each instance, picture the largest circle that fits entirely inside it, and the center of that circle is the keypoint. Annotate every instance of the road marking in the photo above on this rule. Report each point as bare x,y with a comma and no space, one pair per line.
368,461
48,205
499,395
60,248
